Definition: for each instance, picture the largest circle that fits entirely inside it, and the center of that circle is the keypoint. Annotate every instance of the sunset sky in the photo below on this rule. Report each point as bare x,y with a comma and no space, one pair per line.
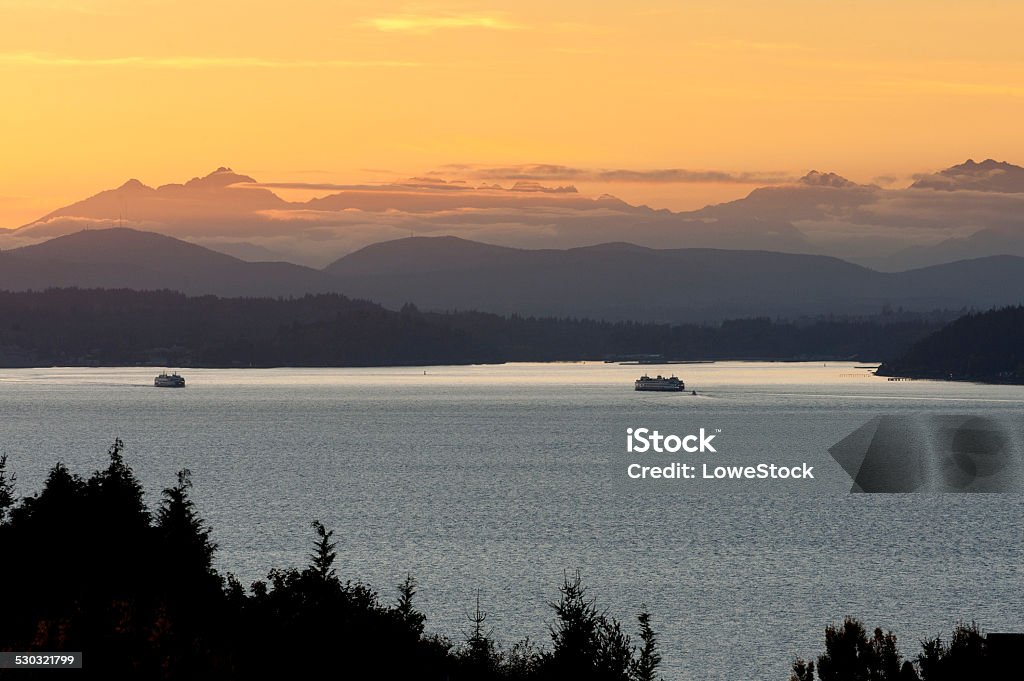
727,94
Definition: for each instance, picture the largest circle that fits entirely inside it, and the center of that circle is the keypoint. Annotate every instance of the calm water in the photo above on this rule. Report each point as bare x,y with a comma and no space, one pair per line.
495,480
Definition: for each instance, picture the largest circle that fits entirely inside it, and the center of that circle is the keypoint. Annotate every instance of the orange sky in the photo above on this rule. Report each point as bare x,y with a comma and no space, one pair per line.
97,91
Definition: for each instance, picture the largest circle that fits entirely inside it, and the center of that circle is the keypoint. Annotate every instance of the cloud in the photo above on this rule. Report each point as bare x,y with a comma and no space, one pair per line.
886,180
428,184
947,211
190,62
424,23
546,171
414,183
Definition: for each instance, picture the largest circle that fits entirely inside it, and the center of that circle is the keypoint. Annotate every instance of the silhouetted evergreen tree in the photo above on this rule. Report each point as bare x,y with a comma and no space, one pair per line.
7,494
929,660
86,569
645,668
62,495
586,644
191,594
183,534
406,611
907,672
802,670
964,657
115,496
324,554
614,651
574,635
851,656
480,655
522,661
885,662
847,653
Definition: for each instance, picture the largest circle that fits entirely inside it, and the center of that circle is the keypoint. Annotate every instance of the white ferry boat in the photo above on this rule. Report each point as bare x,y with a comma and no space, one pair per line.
165,380
659,384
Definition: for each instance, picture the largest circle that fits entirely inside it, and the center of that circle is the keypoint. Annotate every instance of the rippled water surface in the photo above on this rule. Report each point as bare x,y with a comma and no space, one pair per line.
497,479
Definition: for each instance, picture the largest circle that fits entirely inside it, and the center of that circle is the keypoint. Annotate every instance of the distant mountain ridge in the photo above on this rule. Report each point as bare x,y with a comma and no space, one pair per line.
969,210
987,176
613,281
127,258
215,194
625,281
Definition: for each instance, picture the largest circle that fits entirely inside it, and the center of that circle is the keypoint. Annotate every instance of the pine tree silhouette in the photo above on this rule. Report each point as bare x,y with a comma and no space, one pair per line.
7,493
645,668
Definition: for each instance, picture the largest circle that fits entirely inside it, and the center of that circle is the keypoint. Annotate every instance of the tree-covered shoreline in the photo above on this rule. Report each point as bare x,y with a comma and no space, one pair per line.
986,347
87,327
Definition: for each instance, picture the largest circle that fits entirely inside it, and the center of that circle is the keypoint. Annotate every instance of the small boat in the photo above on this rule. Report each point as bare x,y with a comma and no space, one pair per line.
659,384
165,380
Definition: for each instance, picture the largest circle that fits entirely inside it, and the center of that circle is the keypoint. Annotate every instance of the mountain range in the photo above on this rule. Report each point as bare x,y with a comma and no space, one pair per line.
126,258
612,281
969,210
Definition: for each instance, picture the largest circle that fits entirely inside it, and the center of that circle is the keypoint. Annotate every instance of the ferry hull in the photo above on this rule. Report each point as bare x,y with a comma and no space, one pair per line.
661,389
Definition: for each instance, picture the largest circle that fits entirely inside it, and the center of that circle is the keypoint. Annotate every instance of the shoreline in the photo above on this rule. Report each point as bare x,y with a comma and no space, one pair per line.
928,376
674,362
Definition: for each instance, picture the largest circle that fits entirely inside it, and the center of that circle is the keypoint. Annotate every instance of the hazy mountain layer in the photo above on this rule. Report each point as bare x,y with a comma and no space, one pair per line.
965,211
614,281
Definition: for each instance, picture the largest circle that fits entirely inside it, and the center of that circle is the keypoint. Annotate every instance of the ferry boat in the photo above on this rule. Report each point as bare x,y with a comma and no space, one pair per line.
169,381
659,384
